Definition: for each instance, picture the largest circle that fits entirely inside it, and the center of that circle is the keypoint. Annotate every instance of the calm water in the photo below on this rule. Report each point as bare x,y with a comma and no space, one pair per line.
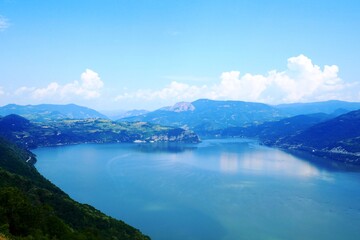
219,189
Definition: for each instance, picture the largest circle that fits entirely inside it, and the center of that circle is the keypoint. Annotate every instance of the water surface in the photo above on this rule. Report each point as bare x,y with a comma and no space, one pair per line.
219,189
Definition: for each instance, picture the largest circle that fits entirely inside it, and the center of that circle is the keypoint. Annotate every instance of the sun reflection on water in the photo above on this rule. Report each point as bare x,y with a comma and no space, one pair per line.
262,162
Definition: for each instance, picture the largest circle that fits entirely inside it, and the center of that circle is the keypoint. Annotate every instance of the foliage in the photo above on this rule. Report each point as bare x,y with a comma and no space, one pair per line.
33,208
73,131
205,115
336,138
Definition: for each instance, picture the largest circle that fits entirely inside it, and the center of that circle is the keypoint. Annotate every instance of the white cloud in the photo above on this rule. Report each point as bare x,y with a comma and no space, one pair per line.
23,90
89,87
91,80
301,81
4,23
232,86
176,91
305,81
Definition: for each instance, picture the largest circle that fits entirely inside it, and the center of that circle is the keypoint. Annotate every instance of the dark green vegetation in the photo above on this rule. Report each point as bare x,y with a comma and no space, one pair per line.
271,132
204,115
310,127
70,131
33,208
321,134
337,138
46,112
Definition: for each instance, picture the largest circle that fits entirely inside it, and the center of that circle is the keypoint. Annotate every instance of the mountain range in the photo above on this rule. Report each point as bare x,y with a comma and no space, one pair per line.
33,208
329,107
288,126
324,135
46,112
205,115
328,129
337,138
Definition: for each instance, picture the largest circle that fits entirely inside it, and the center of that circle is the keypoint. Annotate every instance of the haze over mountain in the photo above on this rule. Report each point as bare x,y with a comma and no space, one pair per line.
328,107
45,112
251,69
280,125
115,115
206,115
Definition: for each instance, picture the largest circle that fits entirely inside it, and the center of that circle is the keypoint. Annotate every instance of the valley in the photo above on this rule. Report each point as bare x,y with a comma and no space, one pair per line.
328,129
228,137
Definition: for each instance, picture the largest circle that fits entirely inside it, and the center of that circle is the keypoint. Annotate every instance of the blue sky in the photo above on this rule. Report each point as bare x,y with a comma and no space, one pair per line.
125,54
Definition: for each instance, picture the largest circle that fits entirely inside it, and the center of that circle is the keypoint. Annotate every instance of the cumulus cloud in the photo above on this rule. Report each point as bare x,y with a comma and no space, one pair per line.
305,81
4,23
301,81
175,90
89,87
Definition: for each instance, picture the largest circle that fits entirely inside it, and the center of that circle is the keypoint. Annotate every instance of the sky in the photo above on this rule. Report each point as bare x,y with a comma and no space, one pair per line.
146,54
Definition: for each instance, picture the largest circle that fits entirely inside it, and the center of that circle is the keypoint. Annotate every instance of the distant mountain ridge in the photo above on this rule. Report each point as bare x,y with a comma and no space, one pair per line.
206,115
328,107
45,112
180,107
337,134
324,135
125,114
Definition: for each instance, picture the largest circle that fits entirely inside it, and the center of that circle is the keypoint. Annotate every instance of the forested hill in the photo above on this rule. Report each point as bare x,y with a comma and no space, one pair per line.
33,208
204,115
74,131
337,138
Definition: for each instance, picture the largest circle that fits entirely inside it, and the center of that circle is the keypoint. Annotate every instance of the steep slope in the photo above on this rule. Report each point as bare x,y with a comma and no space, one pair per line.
31,135
204,115
331,132
270,132
320,134
337,138
33,208
45,112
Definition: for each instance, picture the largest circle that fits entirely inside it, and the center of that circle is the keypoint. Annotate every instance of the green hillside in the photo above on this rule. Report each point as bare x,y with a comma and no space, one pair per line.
204,116
72,131
33,208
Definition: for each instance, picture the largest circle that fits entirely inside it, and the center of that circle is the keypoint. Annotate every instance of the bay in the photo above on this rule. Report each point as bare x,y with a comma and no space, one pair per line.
222,189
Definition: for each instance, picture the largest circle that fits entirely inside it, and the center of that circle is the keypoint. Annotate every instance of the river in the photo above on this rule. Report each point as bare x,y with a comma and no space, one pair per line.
223,189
